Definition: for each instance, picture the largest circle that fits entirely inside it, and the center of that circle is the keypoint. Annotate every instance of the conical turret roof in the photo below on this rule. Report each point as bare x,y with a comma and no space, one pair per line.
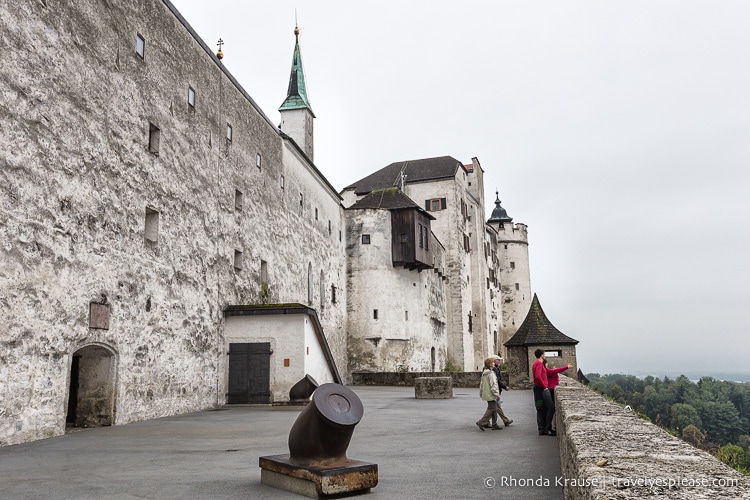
536,329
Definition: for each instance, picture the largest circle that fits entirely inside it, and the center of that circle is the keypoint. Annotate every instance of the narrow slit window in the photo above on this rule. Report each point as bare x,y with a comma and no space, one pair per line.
154,139
374,314
151,232
258,160
191,97
238,200
238,260
512,265
316,214
140,45
229,132
281,181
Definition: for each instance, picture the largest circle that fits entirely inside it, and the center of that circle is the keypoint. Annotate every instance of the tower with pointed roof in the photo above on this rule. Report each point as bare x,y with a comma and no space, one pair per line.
538,332
513,271
296,114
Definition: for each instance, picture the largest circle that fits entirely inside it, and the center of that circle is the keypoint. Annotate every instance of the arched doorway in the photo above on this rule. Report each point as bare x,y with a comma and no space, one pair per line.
91,398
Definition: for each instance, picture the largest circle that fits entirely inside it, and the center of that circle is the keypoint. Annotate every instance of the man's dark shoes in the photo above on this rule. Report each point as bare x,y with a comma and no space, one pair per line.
496,428
481,428
508,423
551,433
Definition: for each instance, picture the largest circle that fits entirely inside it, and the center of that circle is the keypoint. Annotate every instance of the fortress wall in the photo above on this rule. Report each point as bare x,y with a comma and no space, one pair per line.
642,460
78,182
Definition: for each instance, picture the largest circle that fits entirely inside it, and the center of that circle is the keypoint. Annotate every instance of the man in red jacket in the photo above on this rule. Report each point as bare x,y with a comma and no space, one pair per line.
545,407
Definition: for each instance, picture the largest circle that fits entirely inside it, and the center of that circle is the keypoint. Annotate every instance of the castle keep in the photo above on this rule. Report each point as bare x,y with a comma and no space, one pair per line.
167,248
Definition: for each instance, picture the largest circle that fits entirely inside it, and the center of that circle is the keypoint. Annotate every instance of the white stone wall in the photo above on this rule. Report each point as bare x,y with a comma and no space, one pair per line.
411,304
77,179
449,228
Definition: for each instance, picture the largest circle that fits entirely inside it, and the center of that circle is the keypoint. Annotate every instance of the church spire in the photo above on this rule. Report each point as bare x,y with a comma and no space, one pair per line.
296,114
297,92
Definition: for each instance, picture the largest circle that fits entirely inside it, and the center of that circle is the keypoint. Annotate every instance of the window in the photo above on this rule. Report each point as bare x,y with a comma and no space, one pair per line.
470,322
238,200
301,199
258,160
466,243
512,265
404,239
316,213
374,314
517,287
229,133
191,97
406,315
339,235
329,228
281,181
426,239
151,232
365,239
140,45
333,294
435,204
237,260
421,238
154,137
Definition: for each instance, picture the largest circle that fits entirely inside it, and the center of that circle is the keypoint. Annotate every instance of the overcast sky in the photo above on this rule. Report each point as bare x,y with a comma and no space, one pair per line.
618,131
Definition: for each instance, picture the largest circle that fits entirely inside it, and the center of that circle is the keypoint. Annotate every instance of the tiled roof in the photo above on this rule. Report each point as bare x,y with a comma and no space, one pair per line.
388,199
416,170
536,329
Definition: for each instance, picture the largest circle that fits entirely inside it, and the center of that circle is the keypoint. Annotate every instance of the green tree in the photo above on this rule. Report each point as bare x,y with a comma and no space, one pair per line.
693,435
721,421
683,415
732,455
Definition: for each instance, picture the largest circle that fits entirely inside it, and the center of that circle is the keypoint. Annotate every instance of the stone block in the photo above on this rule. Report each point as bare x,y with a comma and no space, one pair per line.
433,387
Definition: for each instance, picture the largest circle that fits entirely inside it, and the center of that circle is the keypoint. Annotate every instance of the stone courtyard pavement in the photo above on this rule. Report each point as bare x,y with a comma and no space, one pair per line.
423,448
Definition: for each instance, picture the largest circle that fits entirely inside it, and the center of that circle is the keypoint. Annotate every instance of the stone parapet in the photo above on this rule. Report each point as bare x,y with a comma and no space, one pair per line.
608,452
458,379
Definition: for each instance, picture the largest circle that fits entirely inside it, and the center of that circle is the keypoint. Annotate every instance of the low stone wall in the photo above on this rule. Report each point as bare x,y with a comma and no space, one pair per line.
607,452
459,379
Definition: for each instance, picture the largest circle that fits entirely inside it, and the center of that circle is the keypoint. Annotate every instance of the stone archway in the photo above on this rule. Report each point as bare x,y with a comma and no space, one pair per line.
91,398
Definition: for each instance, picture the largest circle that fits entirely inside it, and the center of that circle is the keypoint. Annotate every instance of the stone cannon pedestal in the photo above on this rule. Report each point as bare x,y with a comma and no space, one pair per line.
433,387
317,465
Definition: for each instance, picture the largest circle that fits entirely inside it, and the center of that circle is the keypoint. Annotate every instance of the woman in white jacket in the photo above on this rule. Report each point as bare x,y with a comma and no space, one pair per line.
490,392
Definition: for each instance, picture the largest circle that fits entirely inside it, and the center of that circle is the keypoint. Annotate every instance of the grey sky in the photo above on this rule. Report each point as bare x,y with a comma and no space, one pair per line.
618,131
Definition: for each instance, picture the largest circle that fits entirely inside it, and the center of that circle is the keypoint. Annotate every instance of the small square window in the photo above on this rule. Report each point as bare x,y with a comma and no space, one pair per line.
191,97
229,132
281,181
140,45
365,239
258,160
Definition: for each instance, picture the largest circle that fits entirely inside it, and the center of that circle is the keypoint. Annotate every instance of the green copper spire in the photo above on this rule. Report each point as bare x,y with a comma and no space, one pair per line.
297,93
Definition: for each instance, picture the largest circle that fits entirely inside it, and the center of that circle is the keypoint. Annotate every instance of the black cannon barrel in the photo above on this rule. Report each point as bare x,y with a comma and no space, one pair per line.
324,428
